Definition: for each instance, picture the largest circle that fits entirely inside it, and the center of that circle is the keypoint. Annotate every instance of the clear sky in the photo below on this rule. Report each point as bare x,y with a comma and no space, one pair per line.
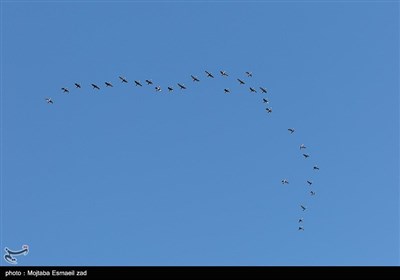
130,176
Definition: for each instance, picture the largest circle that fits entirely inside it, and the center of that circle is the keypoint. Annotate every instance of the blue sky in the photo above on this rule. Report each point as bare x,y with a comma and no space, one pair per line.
131,176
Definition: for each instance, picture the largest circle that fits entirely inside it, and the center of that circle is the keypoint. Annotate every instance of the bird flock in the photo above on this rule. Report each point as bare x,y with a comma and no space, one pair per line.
208,75
170,88
309,182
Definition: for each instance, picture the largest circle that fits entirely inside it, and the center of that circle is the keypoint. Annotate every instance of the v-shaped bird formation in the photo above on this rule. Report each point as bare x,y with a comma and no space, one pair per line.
195,79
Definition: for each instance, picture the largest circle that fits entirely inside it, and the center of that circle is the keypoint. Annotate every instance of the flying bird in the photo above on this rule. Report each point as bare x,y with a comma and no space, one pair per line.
265,100
149,82
65,90
226,90
137,83
301,228
264,90
49,101
312,193
108,84
269,110
170,89
123,80
302,207
284,181
309,182
77,85
252,89
316,167
241,82
306,155
181,86
291,130
300,220
223,73
195,79
209,74
95,87
158,88
249,74
302,146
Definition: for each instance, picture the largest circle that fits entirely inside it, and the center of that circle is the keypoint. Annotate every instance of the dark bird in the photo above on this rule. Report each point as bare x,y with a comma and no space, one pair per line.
123,80
264,90
252,89
291,130
312,193
269,110
77,85
249,74
209,74
301,228
49,101
170,89
95,87
302,146
241,82
302,207
65,90
223,73
137,83
158,88
194,78
316,167
149,82
226,90
265,100
306,155
309,182
108,84
181,86
284,181
300,220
